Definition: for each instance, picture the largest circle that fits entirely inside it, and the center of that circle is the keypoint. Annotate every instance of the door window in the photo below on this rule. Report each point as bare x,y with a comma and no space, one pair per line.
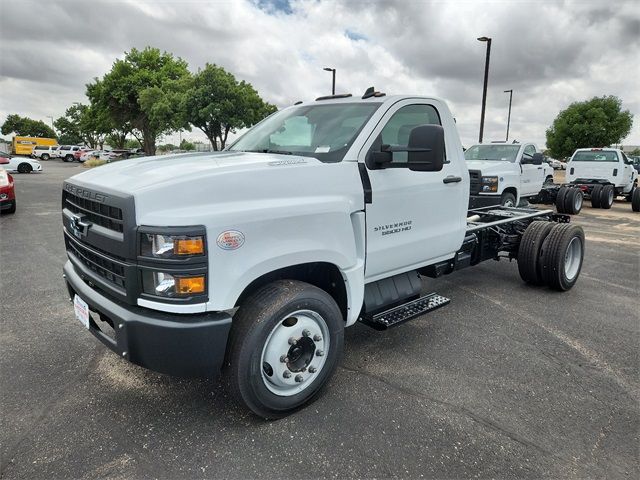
529,150
396,131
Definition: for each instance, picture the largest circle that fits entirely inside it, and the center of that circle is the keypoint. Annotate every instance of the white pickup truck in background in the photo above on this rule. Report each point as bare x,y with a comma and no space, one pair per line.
603,174
505,173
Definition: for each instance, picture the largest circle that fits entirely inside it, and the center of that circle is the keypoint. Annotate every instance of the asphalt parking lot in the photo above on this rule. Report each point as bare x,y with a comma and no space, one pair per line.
508,381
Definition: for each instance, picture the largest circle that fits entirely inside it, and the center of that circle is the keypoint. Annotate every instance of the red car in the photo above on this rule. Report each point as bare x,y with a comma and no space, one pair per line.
7,192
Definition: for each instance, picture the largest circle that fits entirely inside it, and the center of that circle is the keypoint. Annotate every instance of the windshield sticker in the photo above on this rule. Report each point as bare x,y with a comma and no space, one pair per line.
394,228
322,149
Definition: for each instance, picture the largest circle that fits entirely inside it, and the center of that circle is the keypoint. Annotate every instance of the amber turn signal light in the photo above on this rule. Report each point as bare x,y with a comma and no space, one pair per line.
188,246
187,285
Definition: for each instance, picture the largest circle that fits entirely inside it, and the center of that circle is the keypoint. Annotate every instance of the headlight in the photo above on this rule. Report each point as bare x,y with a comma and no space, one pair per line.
489,184
163,284
171,246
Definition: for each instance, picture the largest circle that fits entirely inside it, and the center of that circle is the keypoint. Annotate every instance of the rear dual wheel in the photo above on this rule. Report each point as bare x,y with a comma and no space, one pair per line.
602,196
569,200
551,254
635,200
285,343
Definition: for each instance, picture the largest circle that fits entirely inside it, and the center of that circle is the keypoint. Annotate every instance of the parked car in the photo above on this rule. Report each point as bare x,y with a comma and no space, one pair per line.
22,165
7,192
105,155
67,152
45,152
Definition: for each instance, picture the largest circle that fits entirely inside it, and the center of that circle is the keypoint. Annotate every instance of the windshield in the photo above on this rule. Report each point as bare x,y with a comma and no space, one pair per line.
321,131
595,156
501,153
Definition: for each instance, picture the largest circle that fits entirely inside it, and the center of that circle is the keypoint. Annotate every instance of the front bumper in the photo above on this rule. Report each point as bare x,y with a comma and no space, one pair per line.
181,345
479,201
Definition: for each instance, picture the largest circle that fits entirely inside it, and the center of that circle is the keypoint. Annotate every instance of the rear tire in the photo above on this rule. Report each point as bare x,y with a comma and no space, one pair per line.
68,158
24,168
635,200
606,199
573,201
560,199
261,368
508,200
562,254
596,196
529,252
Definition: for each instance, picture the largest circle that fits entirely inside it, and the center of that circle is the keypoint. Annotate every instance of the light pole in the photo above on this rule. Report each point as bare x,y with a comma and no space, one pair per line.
510,92
333,82
486,80
52,127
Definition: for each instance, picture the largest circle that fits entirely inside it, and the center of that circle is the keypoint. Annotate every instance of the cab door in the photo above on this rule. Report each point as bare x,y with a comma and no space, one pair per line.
414,218
532,176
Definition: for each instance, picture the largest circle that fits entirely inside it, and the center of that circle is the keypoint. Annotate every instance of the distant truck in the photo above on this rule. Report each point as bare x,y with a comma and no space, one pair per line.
504,173
25,145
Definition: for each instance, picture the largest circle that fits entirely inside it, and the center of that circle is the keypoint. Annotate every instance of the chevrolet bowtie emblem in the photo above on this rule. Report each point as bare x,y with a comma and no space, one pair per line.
79,226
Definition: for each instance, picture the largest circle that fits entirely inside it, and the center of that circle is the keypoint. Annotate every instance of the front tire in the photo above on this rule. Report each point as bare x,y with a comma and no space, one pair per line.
68,158
508,200
24,168
45,156
285,343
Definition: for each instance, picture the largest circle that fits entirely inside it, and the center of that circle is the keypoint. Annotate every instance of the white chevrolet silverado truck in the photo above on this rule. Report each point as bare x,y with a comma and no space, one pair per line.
603,174
251,262
505,173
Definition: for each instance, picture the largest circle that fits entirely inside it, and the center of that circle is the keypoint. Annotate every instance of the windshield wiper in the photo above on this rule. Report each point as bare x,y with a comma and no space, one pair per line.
268,150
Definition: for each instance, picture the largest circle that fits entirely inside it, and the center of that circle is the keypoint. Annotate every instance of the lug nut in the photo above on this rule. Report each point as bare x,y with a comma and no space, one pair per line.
312,370
317,338
306,333
284,359
286,374
299,378
319,353
292,341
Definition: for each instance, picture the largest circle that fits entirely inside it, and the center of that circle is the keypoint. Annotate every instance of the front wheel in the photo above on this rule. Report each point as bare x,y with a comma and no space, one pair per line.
45,156
24,168
285,343
508,200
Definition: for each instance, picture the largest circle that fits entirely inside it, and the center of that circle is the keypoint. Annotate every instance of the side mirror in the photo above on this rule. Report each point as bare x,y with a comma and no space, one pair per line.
426,148
537,158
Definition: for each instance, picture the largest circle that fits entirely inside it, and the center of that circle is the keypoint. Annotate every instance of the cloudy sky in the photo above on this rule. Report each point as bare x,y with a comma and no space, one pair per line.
551,53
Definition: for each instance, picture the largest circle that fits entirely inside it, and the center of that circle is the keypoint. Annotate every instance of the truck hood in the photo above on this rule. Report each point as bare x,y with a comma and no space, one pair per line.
488,167
137,175
191,189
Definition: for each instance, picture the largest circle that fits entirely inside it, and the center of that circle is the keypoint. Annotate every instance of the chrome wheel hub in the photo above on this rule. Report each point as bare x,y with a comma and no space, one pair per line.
572,258
295,352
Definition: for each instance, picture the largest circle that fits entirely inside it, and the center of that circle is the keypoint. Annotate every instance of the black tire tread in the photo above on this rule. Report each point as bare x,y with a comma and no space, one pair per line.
553,251
529,251
560,199
635,200
596,196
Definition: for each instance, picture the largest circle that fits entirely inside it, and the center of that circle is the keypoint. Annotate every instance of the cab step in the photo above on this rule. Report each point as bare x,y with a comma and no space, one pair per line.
406,311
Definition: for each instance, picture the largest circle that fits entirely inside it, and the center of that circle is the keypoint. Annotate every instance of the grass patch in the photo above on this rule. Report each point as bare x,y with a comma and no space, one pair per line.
93,162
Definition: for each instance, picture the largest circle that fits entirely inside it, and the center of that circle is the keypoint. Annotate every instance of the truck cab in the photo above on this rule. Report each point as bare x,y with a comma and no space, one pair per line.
504,173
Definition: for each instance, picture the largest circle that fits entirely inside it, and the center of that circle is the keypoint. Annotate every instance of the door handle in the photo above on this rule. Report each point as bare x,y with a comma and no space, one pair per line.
451,179
539,168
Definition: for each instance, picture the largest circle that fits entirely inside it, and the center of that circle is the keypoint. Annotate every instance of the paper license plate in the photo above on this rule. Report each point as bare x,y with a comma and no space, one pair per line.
82,310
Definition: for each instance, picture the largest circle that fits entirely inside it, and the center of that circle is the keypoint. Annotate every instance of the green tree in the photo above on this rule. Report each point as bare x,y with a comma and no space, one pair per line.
143,91
25,126
88,124
218,104
187,145
599,122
